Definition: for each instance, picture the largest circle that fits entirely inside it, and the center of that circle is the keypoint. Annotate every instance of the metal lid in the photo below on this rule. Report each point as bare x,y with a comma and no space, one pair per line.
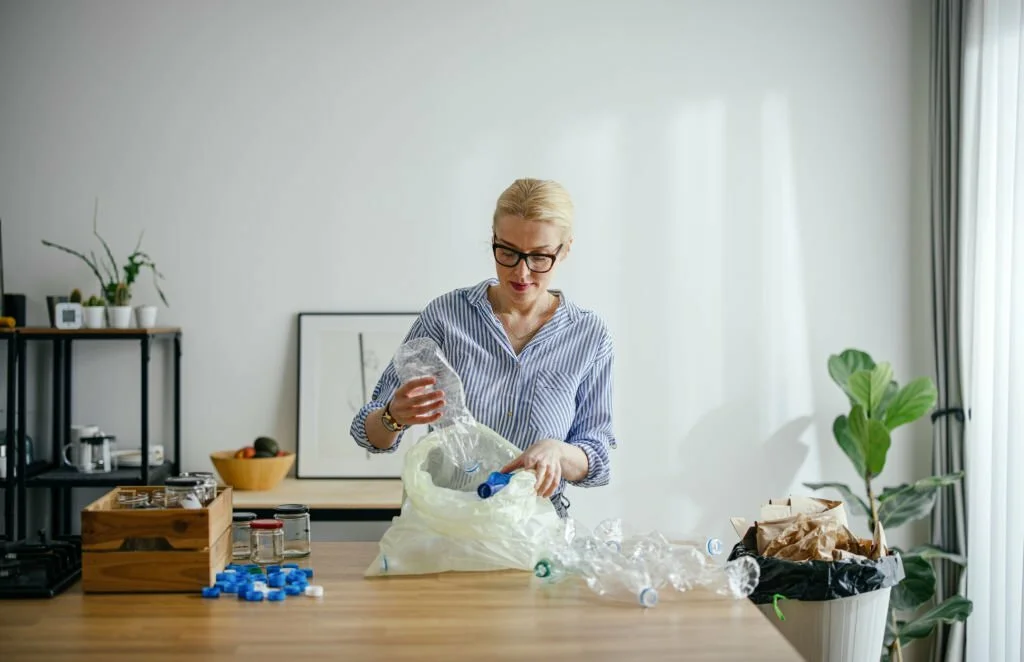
242,516
196,473
183,481
291,509
266,524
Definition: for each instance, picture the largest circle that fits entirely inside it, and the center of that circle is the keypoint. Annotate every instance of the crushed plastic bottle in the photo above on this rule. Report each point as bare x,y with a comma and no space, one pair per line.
625,583
633,568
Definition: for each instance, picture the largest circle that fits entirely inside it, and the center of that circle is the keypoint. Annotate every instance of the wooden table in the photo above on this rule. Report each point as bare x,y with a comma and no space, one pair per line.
452,616
329,500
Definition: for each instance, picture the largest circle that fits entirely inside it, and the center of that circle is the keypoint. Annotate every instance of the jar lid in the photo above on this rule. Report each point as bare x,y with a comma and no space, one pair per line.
242,516
183,481
291,509
266,524
196,473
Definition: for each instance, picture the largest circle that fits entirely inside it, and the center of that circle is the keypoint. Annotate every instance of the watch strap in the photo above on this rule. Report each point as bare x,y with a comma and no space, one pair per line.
389,421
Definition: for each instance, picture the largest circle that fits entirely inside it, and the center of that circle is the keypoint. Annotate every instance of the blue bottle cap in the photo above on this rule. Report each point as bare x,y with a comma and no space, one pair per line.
494,484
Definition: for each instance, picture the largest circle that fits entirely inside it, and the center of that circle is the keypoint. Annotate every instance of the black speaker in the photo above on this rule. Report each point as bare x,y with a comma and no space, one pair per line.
14,306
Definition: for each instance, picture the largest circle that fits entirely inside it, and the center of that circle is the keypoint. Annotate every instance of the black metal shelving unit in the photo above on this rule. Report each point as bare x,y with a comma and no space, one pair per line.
53,475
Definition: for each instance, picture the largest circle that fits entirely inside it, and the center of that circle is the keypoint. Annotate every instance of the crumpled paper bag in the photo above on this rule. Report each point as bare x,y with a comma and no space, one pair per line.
808,528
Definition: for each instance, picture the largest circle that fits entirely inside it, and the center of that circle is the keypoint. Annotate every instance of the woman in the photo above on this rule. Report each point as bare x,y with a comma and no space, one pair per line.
535,367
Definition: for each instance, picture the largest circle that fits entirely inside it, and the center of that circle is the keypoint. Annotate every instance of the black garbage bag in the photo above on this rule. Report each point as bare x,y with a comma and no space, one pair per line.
817,580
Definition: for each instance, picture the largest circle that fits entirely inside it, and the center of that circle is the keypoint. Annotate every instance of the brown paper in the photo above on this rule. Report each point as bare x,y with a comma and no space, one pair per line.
804,529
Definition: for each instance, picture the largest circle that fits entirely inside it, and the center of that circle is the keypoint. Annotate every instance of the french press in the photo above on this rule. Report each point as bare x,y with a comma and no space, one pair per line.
92,454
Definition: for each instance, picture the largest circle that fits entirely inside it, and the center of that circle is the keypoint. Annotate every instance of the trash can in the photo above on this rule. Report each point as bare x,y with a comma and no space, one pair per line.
832,611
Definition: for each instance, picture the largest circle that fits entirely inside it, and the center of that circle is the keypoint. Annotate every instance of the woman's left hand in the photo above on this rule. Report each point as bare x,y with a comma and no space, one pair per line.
545,459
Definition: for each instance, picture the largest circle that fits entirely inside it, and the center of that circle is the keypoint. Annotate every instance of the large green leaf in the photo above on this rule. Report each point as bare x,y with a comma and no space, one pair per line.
890,392
847,494
917,587
906,503
956,608
868,387
911,403
850,361
930,552
850,445
872,437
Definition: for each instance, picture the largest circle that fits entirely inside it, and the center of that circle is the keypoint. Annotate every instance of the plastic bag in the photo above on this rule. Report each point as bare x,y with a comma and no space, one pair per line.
817,580
444,524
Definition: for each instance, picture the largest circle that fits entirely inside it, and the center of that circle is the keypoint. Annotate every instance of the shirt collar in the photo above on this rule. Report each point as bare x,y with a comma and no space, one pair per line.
477,295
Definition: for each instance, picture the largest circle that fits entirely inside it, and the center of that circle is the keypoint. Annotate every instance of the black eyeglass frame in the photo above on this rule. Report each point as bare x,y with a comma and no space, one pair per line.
520,256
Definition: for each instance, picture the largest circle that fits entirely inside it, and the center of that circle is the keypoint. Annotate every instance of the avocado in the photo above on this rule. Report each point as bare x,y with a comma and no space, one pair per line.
265,444
263,454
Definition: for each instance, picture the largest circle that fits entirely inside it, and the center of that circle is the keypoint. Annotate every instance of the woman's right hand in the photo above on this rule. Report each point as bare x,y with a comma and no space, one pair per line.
414,405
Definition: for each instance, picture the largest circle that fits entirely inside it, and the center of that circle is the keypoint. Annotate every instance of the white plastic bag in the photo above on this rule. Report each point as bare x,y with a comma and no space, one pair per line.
444,524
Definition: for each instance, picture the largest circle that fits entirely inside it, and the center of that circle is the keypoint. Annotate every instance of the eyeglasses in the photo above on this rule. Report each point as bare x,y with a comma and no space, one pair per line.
535,262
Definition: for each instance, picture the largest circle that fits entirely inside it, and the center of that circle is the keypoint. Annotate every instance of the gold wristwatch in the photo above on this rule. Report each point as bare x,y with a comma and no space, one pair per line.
390,424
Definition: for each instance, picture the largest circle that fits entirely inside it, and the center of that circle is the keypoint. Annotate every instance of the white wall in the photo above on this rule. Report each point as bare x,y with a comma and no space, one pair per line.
749,179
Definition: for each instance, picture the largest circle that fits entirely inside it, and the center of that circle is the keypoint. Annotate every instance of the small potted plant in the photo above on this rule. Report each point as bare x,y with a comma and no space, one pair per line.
119,313
115,287
94,313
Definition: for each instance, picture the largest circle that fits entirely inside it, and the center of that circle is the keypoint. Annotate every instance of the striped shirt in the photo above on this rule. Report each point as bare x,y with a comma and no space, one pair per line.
558,387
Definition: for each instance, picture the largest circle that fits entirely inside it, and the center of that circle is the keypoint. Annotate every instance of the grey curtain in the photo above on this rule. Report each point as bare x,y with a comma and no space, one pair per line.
949,524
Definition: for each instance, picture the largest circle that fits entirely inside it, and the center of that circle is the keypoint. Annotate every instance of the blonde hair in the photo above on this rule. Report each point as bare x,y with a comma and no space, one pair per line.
536,200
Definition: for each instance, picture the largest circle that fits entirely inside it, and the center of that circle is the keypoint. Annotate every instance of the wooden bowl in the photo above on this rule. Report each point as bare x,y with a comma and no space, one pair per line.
254,473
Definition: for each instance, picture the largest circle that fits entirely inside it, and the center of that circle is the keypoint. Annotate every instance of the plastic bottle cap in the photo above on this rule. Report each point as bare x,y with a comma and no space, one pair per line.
648,597
266,524
494,483
714,546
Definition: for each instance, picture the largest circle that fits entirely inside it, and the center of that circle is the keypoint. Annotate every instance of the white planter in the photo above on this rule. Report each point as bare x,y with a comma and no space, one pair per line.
120,317
93,317
146,316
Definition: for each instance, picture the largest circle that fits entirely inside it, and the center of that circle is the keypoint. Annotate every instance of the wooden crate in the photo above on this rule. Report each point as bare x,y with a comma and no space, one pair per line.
154,551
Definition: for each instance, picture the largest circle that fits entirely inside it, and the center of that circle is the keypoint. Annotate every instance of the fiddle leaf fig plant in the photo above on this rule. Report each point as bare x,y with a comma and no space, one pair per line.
878,406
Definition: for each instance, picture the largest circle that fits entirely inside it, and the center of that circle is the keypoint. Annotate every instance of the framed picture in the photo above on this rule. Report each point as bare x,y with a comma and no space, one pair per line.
341,357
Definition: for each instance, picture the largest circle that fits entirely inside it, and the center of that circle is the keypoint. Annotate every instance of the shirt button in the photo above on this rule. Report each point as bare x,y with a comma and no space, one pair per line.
509,412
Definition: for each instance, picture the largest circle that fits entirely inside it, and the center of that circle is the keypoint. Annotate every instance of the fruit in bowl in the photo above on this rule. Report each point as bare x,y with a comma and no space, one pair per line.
260,466
262,447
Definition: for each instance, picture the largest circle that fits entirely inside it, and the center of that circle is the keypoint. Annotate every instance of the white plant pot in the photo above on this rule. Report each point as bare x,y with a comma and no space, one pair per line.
146,316
93,317
120,317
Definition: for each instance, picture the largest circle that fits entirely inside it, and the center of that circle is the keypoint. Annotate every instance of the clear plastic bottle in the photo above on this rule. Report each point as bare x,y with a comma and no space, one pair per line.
622,583
736,579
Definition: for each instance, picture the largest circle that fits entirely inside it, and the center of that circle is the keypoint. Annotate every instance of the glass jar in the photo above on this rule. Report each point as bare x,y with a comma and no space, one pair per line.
184,492
295,518
266,541
131,499
209,484
240,534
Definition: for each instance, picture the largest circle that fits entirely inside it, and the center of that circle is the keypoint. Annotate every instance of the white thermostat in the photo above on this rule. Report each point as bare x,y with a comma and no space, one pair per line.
68,315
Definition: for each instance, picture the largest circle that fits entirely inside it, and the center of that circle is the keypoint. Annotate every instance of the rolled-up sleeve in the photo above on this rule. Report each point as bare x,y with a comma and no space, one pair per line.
385,390
591,429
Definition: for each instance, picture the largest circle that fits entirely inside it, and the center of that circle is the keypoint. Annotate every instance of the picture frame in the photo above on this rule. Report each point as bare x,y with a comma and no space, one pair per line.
341,356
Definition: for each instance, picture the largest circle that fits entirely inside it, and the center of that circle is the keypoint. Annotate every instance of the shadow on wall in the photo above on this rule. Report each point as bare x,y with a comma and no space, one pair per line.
745,476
